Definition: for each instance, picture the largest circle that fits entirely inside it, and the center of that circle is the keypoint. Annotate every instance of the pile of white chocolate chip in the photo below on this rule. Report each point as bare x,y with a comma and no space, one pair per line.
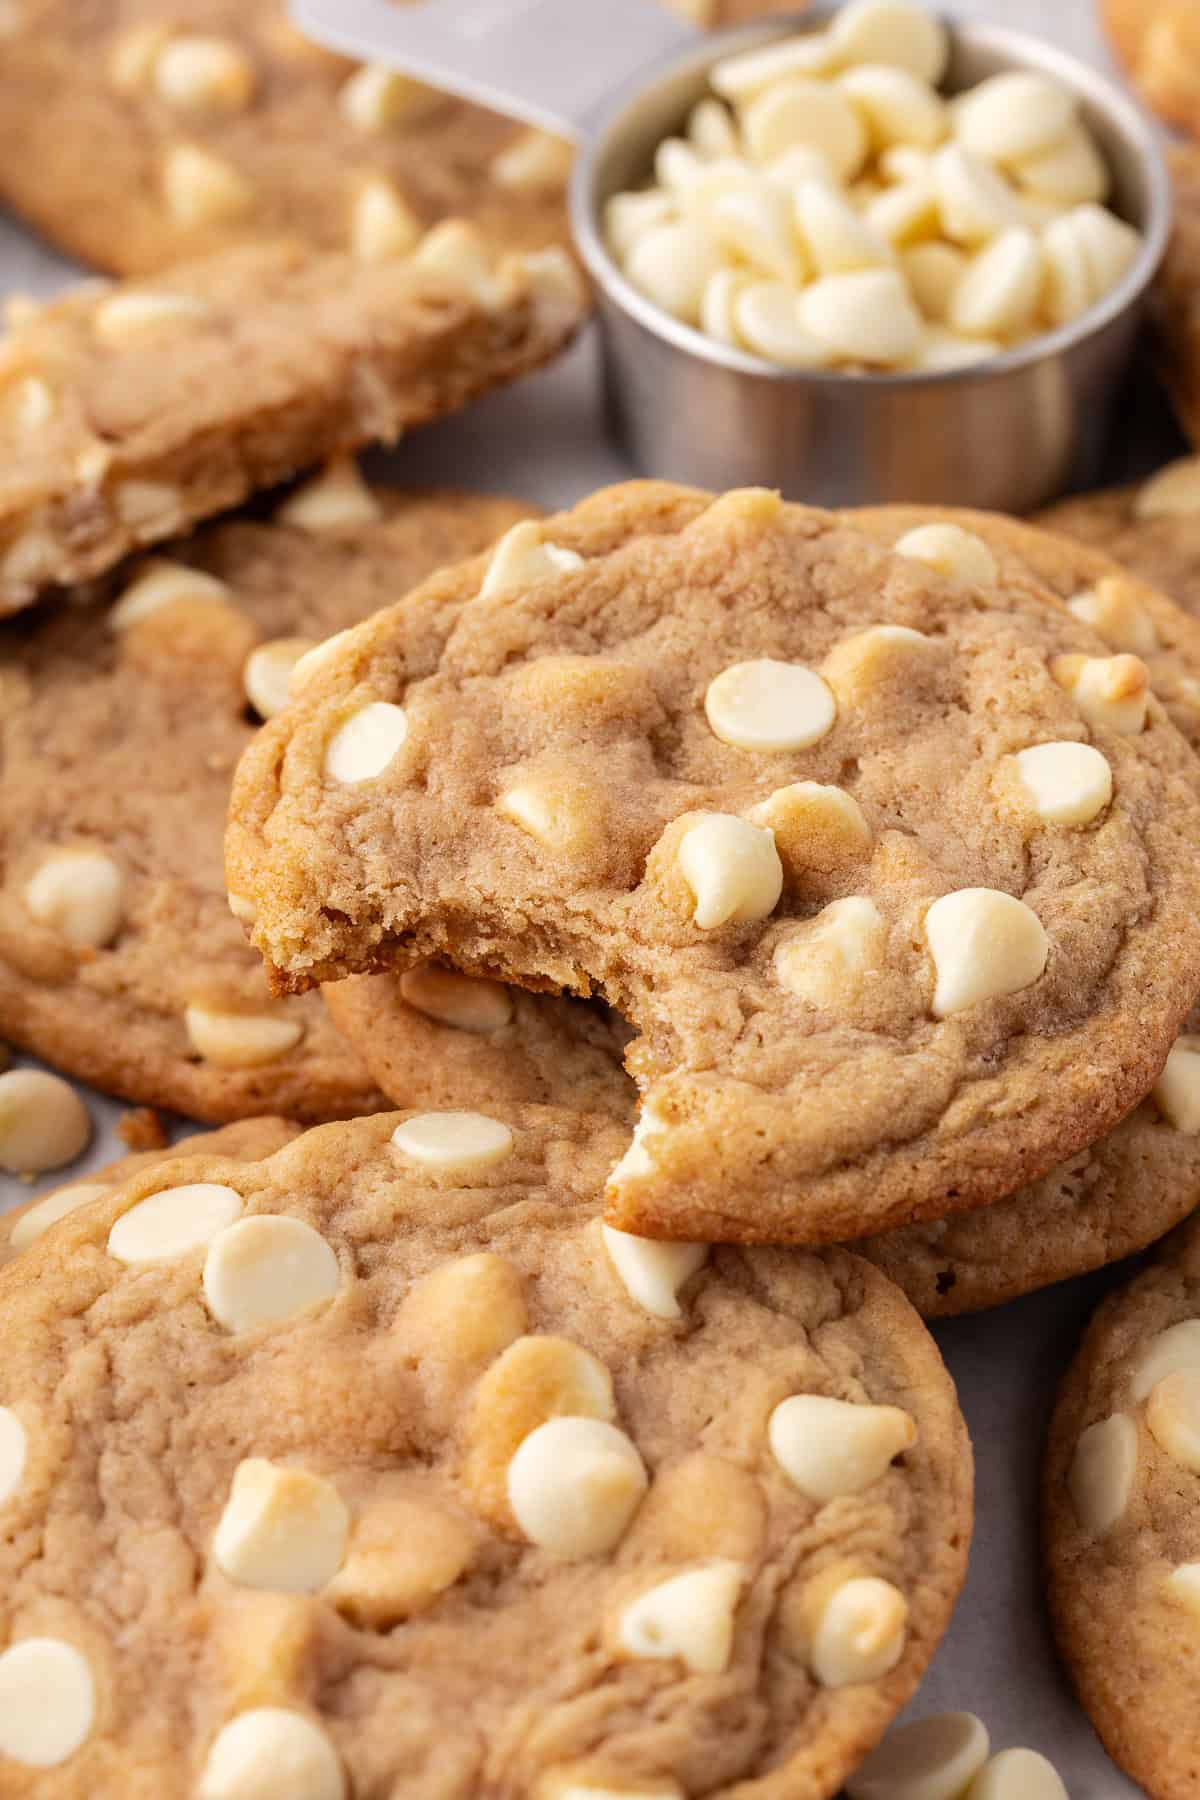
829,208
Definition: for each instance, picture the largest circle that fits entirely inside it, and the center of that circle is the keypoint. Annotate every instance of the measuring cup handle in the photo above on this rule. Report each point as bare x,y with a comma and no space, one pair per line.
549,62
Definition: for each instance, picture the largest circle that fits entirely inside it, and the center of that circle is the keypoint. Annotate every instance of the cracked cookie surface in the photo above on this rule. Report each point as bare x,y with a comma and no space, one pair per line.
1121,1488
758,782
123,719
377,1461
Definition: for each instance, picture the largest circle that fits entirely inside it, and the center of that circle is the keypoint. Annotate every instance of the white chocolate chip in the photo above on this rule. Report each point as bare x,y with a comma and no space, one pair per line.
337,497
957,554
1122,621
984,944
29,403
940,349
559,810
638,1160
1017,1775
574,1486
264,1270
366,742
867,316
535,161
30,1226
1100,1479
897,107
711,130
628,217
828,1448
651,1272
1069,172
148,507
769,705
1173,1415
456,1143
1111,692
752,221
263,1754
1066,783
174,1222
234,1040
689,1617
402,1555
267,675
815,824
522,558
281,1528
1173,493
928,1759
1110,246
999,291
47,1702
43,1122
1017,114
465,1002
131,63
740,78
1176,1348
14,1448
901,33
766,317
1183,1586
803,111
1176,1093
837,239
202,189
733,871
975,201
204,74
376,97
80,895
933,271
902,215
161,583
457,253
718,318
860,1633
828,960
671,265
382,223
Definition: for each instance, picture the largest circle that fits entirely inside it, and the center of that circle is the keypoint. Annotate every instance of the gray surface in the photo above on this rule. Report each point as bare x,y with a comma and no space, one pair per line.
544,440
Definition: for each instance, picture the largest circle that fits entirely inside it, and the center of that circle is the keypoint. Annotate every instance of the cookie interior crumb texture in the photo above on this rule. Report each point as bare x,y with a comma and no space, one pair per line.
660,749
382,1441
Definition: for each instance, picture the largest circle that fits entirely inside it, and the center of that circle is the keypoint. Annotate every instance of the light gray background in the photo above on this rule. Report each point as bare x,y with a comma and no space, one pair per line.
545,441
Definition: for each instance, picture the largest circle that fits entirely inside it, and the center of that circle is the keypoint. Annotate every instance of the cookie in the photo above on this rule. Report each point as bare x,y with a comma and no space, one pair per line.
658,749
247,1140
1177,294
1158,42
1152,527
1111,581
433,1037
121,722
369,1462
1121,1496
1107,1202
127,414
135,139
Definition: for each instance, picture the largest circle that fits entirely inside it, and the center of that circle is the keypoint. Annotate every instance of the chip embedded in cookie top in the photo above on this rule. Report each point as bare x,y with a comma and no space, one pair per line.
122,720
767,788
1121,1499
383,1462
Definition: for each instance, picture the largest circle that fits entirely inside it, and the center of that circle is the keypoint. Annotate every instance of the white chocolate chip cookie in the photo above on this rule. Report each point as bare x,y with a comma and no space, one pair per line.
355,1410
771,810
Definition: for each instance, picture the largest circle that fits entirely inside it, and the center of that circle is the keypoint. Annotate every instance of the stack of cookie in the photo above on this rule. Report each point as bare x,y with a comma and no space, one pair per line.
659,956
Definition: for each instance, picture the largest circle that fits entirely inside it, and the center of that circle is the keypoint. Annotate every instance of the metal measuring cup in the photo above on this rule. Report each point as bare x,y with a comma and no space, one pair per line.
1007,434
